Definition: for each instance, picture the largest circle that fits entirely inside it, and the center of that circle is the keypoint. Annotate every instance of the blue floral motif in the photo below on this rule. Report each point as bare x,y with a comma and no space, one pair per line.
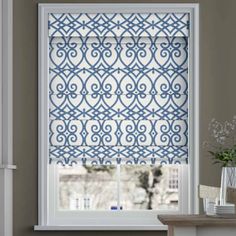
118,88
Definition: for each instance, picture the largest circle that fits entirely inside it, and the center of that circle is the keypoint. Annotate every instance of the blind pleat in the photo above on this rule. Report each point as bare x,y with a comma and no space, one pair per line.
118,88
129,53
118,132
119,107
119,25
118,81
104,155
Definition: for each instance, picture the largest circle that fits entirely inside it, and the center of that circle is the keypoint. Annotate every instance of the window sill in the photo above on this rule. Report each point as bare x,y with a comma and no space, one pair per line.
9,167
100,227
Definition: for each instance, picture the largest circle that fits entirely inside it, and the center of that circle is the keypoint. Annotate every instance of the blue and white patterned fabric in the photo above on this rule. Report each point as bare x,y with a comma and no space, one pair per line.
119,25
118,88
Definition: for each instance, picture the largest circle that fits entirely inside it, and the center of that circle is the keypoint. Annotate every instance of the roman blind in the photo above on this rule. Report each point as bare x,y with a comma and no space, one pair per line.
118,88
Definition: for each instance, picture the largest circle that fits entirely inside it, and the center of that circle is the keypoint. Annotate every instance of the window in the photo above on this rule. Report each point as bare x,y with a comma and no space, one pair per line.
116,114
173,179
112,187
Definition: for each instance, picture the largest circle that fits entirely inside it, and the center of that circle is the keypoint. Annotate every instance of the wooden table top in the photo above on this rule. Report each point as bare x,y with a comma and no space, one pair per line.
197,220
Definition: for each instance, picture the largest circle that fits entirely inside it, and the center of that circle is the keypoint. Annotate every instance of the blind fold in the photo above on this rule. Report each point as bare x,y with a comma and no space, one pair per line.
118,88
119,25
124,53
112,155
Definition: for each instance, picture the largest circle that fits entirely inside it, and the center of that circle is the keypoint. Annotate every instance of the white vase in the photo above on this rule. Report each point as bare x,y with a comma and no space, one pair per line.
228,179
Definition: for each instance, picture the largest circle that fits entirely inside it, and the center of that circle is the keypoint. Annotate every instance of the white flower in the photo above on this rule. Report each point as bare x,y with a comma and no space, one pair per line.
224,132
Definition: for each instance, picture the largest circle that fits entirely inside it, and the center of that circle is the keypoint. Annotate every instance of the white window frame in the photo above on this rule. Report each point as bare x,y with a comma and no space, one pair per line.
6,116
133,222
115,219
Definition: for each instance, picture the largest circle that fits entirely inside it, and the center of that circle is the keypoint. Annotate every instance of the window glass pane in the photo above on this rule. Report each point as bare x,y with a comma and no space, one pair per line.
87,187
149,187
140,187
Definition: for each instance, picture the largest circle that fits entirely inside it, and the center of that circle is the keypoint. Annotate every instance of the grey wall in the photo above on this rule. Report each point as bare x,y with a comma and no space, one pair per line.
217,99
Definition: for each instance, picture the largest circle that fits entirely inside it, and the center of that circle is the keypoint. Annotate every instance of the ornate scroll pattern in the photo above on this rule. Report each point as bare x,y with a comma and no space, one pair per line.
118,53
118,81
125,107
118,92
119,25
118,132
119,154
